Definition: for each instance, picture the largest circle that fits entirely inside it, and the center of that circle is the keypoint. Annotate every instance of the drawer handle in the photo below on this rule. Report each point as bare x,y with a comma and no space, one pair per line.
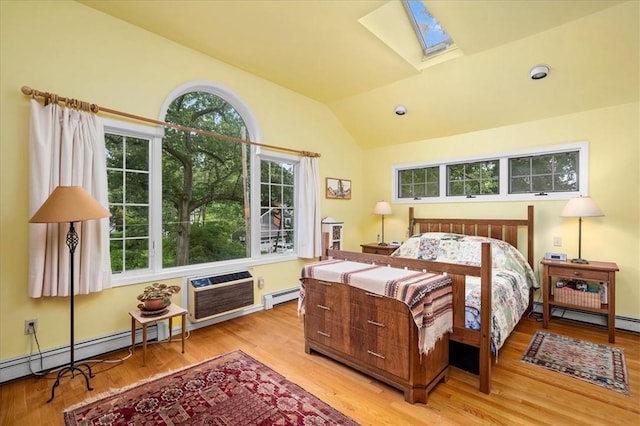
375,354
322,333
326,308
377,324
374,295
577,273
325,283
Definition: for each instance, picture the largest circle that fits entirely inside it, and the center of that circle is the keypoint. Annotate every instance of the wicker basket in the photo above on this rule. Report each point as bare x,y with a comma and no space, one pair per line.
577,297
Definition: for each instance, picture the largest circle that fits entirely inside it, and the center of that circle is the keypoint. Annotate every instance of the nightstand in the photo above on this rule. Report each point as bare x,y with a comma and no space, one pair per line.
594,271
374,248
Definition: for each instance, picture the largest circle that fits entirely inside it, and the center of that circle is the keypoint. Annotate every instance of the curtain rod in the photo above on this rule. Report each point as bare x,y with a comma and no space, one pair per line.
75,103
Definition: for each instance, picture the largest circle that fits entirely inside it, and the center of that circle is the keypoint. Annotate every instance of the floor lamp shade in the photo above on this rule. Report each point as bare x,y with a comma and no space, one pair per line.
581,207
70,204
382,208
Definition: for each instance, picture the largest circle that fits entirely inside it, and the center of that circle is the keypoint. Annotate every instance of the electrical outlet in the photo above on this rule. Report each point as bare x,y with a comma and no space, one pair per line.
30,326
260,282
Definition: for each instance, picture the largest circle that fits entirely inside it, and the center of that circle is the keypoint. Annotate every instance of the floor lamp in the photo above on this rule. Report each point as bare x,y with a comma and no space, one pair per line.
70,204
382,208
581,207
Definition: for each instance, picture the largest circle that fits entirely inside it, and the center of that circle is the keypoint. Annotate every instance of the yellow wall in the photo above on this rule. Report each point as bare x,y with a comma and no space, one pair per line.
75,51
70,49
613,135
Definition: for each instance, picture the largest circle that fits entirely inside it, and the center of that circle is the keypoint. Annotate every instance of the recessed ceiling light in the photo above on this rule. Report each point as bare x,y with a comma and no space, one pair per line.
539,72
401,110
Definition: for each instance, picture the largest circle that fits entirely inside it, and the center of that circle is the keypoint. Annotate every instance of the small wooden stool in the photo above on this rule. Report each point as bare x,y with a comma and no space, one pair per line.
136,316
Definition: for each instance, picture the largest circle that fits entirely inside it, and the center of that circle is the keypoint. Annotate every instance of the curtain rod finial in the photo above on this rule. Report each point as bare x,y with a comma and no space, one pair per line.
27,90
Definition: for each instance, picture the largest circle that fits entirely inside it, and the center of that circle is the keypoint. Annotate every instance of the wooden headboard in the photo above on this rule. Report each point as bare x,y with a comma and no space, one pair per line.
500,229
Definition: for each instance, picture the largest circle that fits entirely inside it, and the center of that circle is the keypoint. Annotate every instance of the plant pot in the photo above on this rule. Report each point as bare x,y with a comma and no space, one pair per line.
156,304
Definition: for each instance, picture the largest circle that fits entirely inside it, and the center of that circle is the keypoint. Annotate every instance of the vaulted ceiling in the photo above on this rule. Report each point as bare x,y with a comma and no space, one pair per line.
358,57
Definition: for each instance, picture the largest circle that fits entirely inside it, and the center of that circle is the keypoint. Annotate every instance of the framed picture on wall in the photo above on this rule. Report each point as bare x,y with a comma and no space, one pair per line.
338,189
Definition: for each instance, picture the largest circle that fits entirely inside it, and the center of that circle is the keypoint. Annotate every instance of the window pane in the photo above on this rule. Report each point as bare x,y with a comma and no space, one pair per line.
520,167
137,154
136,254
137,222
418,183
116,190
116,250
114,145
546,173
205,183
479,178
277,207
456,188
456,173
128,181
542,165
137,185
520,185
116,221
542,183
566,182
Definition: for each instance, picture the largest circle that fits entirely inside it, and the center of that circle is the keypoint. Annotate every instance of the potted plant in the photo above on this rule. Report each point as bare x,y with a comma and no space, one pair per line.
157,296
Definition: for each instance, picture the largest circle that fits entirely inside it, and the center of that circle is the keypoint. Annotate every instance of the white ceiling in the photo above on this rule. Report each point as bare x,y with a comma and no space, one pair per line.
358,57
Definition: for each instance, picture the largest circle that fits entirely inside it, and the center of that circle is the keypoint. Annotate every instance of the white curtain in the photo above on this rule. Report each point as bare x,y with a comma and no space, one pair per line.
308,237
66,147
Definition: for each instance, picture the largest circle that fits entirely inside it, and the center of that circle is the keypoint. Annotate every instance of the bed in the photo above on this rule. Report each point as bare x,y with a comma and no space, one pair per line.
479,268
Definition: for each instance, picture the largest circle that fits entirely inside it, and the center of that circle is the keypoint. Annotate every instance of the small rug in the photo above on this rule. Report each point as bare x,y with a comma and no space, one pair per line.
598,364
231,389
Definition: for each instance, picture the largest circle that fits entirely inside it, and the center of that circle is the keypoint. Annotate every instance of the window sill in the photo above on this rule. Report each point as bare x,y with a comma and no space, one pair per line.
197,270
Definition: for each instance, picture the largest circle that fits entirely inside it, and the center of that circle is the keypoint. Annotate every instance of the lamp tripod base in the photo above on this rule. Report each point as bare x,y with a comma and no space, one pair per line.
72,369
580,260
383,244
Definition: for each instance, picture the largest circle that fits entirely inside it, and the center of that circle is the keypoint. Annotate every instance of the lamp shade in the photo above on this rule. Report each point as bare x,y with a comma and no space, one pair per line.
69,204
581,207
382,207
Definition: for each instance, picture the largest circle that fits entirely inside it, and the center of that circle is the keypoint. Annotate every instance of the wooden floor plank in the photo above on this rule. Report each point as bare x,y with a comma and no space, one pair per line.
521,393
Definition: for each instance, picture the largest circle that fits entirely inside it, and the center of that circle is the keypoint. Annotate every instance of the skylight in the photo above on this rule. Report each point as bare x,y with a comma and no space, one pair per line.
431,35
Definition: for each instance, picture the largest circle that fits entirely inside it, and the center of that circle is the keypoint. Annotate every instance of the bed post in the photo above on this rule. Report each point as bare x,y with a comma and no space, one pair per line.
485,319
530,235
325,246
530,253
411,225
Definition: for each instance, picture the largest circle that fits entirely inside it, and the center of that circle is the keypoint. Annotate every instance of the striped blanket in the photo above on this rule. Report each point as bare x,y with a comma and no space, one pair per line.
428,296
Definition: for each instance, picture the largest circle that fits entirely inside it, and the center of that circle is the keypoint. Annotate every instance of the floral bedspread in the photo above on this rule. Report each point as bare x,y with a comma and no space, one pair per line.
512,276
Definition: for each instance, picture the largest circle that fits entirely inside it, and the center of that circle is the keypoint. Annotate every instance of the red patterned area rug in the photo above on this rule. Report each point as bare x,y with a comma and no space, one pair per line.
595,363
231,389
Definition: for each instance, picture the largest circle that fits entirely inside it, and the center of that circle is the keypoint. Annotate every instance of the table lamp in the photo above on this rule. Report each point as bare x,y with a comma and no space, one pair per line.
581,207
382,208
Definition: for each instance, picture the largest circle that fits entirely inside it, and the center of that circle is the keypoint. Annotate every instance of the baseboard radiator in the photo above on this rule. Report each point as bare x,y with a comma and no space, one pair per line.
211,296
272,299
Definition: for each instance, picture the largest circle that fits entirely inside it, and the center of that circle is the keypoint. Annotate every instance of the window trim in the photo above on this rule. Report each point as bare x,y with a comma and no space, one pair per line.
583,173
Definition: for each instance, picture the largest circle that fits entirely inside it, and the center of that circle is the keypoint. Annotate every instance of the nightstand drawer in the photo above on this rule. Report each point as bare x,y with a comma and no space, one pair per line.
584,274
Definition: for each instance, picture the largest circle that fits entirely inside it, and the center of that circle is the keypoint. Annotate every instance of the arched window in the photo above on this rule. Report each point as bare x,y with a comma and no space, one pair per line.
186,200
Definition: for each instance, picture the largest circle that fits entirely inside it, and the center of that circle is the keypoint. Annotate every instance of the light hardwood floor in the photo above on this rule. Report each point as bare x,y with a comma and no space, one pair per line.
521,393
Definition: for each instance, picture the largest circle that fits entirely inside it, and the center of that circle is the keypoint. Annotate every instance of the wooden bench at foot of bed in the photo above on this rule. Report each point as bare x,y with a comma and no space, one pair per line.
373,334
